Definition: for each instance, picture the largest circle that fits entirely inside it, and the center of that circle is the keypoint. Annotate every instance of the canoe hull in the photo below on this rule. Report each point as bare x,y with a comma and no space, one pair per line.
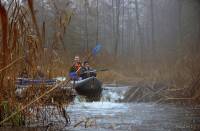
91,87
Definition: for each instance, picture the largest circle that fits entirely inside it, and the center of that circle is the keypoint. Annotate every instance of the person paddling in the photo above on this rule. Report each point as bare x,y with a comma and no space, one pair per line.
75,70
77,64
39,72
87,71
24,73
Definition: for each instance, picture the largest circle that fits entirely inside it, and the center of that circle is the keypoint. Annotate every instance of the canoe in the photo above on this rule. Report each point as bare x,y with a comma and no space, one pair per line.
91,87
24,83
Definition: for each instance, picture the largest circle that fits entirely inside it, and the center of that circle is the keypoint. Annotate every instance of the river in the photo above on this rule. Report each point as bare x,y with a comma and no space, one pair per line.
108,114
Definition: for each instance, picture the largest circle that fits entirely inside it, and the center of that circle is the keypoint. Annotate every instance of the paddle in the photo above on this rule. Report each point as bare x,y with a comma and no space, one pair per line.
74,74
94,51
99,70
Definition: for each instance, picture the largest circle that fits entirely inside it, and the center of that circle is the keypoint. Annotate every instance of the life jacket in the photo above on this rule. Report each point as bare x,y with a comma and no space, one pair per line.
77,66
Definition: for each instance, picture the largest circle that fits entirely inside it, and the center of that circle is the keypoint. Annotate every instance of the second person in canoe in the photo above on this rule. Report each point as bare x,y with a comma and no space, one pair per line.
87,71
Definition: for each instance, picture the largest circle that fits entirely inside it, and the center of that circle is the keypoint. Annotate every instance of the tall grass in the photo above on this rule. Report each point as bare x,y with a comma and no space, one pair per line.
23,47
182,72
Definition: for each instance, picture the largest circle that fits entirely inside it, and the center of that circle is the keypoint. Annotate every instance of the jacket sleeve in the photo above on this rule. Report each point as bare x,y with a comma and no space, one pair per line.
92,73
83,74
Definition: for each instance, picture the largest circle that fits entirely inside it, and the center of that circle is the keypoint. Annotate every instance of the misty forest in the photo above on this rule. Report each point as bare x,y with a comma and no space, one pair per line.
99,64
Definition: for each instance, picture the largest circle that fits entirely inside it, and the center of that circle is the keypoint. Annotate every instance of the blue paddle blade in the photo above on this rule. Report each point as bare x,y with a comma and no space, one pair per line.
96,49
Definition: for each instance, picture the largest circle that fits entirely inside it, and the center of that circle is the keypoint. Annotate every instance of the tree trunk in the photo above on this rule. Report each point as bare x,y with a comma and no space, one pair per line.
117,27
122,31
97,31
113,24
140,33
152,30
180,3
86,24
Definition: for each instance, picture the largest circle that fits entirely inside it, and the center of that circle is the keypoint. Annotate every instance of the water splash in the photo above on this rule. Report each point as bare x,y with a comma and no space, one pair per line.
109,94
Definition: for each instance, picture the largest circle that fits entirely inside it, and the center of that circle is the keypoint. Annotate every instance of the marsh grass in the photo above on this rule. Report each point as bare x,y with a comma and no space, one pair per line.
23,47
181,75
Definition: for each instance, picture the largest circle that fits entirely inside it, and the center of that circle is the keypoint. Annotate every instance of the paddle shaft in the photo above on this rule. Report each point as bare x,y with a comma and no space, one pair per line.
102,70
98,70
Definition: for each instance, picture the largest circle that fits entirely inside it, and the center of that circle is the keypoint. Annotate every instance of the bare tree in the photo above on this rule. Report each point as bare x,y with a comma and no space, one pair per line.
122,47
117,26
180,3
141,39
152,29
86,23
97,24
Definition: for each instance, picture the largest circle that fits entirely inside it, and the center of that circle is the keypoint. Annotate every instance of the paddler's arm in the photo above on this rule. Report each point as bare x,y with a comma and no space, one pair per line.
92,72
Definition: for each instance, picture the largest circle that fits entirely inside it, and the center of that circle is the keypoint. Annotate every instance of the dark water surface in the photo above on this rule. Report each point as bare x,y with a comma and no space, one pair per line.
108,114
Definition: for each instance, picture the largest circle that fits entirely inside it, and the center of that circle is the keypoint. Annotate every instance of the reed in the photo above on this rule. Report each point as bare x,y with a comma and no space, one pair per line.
23,47
181,76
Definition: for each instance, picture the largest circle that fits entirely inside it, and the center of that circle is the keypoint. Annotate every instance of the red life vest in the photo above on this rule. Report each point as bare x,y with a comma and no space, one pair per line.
77,66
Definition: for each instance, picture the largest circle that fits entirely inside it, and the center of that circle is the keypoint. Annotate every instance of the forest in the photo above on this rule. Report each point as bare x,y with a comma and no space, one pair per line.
150,43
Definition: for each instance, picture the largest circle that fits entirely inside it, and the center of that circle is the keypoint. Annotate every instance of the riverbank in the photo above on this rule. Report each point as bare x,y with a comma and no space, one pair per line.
158,90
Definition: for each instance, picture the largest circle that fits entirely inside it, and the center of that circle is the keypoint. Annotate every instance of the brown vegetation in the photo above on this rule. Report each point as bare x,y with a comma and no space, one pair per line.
22,47
178,85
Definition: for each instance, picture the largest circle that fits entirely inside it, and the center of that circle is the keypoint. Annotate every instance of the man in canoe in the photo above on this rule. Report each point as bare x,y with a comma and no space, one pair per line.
77,64
87,71
39,72
24,74
75,70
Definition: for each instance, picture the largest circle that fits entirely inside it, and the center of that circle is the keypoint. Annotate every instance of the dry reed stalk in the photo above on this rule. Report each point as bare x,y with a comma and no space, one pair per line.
133,94
4,51
113,124
30,3
144,96
122,121
157,92
178,99
87,123
12,63
160,100
97,124
78,123
34,101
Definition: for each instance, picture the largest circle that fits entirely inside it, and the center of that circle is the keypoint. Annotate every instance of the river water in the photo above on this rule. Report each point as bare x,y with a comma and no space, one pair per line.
108,114
111,113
